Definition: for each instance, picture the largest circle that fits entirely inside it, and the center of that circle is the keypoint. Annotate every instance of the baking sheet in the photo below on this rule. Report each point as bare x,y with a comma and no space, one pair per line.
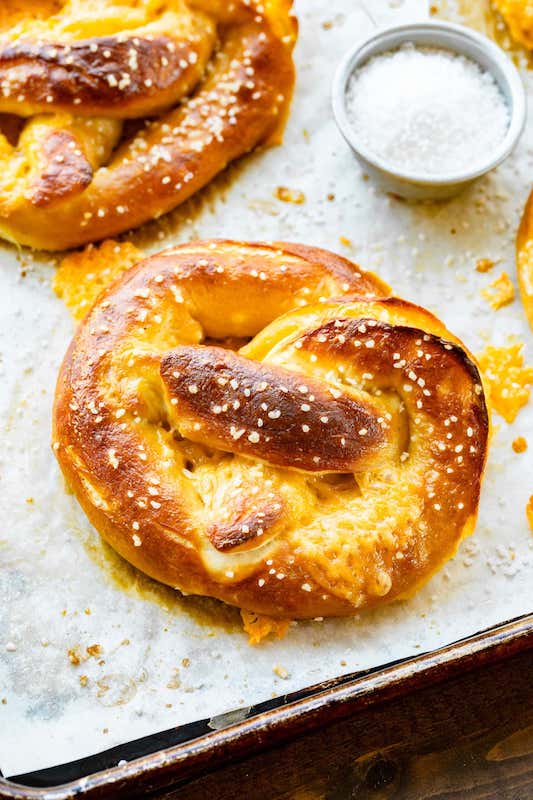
165,661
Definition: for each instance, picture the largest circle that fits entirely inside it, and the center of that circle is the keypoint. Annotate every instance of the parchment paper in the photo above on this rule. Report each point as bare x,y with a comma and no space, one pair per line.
166,661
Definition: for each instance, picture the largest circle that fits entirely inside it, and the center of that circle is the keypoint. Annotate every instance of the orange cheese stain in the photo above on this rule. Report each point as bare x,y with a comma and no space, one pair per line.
259,627
287,195
507,378
484,265
83,274
206,611
500,292
520,445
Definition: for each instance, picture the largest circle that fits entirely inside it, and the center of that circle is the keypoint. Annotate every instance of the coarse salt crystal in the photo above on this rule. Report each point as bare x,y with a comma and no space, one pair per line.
427,111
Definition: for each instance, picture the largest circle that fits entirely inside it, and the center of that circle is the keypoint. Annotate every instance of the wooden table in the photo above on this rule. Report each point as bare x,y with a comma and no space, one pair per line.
470,737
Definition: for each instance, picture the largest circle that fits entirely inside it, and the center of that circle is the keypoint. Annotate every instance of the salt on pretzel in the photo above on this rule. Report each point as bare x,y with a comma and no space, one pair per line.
263,424
125,108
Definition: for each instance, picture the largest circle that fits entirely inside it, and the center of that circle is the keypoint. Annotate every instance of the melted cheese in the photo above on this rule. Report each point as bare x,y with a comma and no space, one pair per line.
520,445
259,627
518,14
507,378
484,265
500,292
83,275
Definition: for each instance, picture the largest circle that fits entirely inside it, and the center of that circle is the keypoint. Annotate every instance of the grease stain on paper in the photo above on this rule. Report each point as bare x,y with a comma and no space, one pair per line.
205,611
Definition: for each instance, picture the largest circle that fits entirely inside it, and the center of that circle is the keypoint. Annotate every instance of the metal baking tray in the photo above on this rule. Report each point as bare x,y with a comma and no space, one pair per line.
157,762
428,255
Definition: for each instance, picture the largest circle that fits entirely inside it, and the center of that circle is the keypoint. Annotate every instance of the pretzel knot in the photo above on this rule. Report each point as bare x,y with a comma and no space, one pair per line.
331,462
112,112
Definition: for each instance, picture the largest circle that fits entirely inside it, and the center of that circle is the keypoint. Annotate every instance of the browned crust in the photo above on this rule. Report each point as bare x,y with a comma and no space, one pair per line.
447,385
67,171
246,527
228,402
524,259
85,430
252,74
525,229
135,77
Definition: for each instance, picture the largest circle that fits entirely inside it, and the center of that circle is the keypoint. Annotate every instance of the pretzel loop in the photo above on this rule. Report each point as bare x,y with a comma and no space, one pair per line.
212,80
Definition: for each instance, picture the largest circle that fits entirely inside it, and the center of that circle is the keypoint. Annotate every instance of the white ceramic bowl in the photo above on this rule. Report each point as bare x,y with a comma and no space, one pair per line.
454,38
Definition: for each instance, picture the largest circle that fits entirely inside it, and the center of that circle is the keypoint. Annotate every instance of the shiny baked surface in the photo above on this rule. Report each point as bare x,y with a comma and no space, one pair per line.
264,424
112,112
524,259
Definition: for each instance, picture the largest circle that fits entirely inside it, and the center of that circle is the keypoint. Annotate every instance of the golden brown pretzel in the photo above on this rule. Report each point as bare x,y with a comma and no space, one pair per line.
212,79
524,259
332,463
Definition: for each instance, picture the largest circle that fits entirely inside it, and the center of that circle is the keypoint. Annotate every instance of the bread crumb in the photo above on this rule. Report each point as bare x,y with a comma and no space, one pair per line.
74,656
484,264
500,292
281,672
287,195
82,275
508,380
175,681
345,241
520,445
84,680
259,627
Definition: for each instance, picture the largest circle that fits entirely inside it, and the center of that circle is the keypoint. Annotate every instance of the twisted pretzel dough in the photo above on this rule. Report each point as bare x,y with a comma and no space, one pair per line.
524,259
332,463
211,79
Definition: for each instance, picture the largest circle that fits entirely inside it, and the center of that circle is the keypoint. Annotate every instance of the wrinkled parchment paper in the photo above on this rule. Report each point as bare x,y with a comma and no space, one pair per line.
163,661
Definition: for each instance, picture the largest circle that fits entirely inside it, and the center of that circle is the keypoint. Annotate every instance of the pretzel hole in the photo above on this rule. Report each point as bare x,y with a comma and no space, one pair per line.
233,343
13,11
11,127
328,487
343,482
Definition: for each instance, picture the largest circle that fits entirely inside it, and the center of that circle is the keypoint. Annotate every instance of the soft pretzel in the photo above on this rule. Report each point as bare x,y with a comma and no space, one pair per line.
524,259
331,463
206,80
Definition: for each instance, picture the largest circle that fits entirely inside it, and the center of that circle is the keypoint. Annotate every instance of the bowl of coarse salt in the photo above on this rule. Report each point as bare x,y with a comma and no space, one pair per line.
428,108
